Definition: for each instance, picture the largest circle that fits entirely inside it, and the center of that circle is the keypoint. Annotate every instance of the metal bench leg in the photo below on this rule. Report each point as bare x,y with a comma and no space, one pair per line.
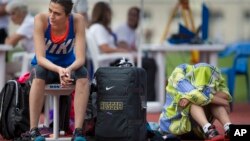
46,110
56,117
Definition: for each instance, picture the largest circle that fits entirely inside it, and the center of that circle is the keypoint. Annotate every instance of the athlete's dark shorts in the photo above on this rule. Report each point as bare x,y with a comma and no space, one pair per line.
53,77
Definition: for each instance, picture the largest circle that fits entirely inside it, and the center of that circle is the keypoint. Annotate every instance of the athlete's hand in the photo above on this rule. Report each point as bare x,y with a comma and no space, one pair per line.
183,102
65,77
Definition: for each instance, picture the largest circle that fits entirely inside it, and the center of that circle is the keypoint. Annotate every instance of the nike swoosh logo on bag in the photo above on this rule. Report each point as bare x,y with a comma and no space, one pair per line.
108,88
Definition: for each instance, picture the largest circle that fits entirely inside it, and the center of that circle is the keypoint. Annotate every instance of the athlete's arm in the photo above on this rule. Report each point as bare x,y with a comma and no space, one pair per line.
79,42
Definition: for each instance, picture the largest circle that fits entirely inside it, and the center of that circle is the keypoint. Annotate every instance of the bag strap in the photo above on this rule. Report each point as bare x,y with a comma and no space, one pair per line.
16,90
2,100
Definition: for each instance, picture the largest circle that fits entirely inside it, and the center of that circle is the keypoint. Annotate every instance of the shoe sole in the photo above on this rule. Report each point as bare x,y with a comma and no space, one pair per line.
217,138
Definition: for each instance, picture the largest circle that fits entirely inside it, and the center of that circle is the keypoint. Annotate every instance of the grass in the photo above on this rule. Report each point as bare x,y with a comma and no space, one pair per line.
174,59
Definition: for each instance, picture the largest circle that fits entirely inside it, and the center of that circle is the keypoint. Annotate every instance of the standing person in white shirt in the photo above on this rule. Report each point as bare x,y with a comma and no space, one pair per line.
4,21
128,37
20,16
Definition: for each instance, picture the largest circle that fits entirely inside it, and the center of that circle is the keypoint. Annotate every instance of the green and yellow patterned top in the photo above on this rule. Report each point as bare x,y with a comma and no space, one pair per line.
198,83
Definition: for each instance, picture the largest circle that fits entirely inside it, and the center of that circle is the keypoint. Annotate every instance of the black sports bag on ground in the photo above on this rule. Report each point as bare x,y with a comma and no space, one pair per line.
14,109
121,104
